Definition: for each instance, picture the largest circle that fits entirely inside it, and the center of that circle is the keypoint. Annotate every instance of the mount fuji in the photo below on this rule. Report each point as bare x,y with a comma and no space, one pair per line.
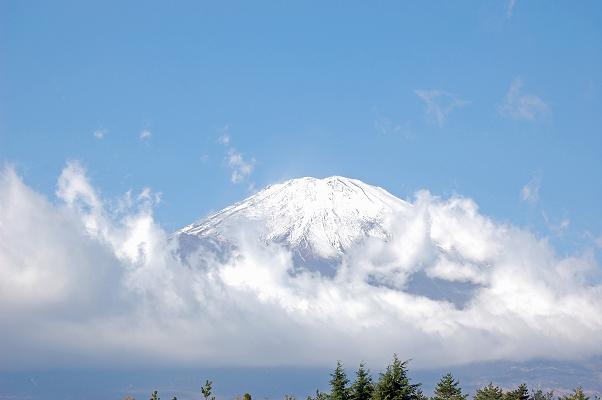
319,220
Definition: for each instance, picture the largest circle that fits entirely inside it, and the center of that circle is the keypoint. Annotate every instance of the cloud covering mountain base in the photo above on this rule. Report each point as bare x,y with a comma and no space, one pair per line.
87,281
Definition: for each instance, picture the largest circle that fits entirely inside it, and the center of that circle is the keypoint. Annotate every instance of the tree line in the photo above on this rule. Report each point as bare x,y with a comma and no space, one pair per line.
394,384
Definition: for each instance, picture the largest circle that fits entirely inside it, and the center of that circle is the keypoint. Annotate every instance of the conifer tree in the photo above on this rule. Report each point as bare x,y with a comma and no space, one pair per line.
246,396
489,392
520,393
394,383
540,395
576,395
154,396
449,388
420,395
206,390
338,384
319,396
362,388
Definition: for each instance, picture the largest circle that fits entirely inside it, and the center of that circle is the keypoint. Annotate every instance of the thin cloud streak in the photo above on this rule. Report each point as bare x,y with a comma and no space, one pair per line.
439,104
519,105
510,8
530,192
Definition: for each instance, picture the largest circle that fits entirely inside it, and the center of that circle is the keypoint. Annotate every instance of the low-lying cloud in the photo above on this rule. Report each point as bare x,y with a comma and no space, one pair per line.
86,282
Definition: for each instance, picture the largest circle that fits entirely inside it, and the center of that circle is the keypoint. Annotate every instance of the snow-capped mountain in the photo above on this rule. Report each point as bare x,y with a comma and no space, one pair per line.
319,220
316,218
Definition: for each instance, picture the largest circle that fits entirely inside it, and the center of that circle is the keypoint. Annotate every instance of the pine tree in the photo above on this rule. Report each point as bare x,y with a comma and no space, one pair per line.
246,396
576,395
489,392
420,395
206,390
338,384
449,389
540,395
322,395
520,393
362,388
394,383
154,396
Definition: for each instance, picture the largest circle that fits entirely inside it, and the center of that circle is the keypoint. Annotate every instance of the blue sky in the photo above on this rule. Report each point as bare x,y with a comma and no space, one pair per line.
304,88
205,103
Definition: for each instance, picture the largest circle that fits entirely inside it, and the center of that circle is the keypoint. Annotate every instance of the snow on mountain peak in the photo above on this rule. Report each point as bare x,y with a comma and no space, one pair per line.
319,218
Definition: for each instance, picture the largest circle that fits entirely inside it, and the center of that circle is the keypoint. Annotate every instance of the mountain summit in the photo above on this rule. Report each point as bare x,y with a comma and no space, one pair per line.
316,218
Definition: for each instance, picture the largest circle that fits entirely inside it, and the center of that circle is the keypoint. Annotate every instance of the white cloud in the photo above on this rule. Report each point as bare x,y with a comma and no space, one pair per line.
145,134
386,126
530,192
518,105
224,138
240,167
83,282
100,133
439,104
556,227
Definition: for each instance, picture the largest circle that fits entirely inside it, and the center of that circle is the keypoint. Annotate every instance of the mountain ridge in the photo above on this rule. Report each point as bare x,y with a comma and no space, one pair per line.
317,218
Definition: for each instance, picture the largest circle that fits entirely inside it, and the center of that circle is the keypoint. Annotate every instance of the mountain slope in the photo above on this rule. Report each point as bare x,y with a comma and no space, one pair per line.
317,218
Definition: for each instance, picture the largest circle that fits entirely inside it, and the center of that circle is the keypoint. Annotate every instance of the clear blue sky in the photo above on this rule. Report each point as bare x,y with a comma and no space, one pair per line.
304,88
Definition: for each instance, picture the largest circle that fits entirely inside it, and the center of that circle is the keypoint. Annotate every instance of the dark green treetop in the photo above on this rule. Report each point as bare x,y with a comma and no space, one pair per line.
362,388
420,395
448,388
206,390
154,396
319,396
338,384
489,392
394,383
576,395
541,395
520,393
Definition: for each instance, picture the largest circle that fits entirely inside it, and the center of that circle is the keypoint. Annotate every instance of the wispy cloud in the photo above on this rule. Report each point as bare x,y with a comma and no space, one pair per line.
556,227
519,105
439,104
530,192
386,126
145,134
510,8
224,138
99,133
240,167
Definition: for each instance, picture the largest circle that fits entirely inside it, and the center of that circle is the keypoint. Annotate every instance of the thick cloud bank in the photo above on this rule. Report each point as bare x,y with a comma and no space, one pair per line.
90,281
